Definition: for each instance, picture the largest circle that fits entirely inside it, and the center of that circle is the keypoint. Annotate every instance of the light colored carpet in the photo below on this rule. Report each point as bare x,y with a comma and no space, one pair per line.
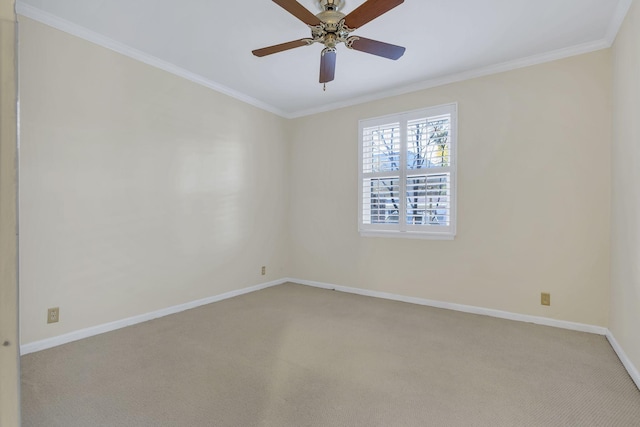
298,356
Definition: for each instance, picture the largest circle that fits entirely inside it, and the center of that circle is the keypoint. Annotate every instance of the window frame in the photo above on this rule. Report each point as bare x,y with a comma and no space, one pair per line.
402,229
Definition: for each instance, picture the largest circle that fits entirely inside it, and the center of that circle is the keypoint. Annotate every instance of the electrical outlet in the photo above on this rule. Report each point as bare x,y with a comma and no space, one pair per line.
545,298
264,270
53,315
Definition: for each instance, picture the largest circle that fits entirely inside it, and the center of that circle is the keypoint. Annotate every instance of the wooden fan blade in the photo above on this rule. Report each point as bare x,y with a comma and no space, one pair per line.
375,47
327,66
299,11
368,11
280,47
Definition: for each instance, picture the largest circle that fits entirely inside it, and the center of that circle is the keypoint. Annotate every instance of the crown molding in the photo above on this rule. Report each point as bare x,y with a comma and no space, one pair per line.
108,43
618,19
86,34
465,75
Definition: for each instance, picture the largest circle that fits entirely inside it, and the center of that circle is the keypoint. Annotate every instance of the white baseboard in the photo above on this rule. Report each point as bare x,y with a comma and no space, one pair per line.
111,326
459,307
633,371
107,327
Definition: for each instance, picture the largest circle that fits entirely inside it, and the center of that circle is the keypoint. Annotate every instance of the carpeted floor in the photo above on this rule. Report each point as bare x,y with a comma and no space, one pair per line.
298,356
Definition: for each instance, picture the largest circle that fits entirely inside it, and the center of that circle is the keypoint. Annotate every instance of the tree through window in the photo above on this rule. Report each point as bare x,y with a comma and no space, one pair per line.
407,174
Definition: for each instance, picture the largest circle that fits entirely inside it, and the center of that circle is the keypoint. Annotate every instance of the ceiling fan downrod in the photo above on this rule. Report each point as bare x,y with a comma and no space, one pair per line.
330,4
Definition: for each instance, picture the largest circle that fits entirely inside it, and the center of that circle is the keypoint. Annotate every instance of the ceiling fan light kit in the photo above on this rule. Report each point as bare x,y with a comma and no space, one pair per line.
332,27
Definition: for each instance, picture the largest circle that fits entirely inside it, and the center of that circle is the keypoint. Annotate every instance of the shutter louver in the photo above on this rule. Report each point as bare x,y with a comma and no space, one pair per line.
381,200
428,143
429,199
381,148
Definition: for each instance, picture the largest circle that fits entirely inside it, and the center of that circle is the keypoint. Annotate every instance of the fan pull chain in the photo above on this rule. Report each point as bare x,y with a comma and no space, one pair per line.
324,87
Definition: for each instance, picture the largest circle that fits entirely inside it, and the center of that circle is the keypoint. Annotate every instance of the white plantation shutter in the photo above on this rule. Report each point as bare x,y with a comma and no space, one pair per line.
429,137
429,199
382,200
407,174
381,148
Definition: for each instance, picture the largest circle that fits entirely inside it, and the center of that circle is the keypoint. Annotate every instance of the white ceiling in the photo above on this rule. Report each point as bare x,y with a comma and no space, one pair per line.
210,42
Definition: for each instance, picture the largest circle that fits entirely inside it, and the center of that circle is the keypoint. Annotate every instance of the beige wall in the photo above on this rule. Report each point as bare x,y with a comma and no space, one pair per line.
139,190
9,375
625,230
534,195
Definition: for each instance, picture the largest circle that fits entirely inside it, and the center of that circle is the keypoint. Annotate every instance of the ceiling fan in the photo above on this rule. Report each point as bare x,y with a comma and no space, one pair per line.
331,27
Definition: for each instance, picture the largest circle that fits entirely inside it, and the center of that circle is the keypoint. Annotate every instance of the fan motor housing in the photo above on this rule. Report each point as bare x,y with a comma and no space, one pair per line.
331,19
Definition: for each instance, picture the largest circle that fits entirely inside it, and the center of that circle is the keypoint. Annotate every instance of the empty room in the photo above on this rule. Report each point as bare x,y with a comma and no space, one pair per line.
320,213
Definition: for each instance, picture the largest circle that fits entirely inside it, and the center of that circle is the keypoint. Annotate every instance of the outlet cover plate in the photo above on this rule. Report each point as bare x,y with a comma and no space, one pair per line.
545,298
53,315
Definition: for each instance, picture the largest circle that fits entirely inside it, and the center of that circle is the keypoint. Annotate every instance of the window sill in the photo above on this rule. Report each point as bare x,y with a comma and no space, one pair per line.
407,235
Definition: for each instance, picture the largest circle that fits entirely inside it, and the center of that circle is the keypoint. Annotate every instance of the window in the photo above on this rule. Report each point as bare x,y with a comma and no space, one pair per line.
407,182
